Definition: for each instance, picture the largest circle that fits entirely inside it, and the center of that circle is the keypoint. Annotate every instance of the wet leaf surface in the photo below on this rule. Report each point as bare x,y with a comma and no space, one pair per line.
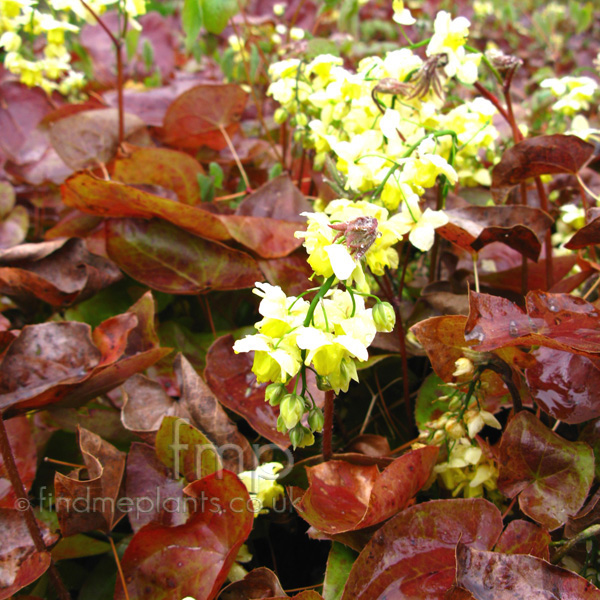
520,227
195,117
524,537
192,559
412,556
171,260
551,475
543,155
559,321
493,576
342,497
564,385
92,503
259,583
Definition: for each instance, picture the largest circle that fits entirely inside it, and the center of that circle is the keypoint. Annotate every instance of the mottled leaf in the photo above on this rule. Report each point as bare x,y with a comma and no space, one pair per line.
494,576
114,199
551,475
169,169
194,119
171,260
210,417
524,537
543,155
92,503
343,497
412,556
193,559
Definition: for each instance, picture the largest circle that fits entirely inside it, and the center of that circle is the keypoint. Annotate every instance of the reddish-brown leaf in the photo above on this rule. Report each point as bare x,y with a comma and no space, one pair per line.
551,475
589,234
494,576
519,227
230,377
543,155
565,385
412,556
558,321
343,497
260,583
59,272
171,260
194,119
170,563
25,454
87,138
290,273
169,169
115,199
20,564
524,537
154,494
91,503
210,417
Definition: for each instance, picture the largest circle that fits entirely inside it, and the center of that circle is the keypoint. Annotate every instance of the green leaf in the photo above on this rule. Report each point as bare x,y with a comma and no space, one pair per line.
191,21
131,42
428,402
216,14
340,561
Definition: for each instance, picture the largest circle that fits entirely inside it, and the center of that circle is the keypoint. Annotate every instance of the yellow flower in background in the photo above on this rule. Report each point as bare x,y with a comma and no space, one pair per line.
402,15
263,487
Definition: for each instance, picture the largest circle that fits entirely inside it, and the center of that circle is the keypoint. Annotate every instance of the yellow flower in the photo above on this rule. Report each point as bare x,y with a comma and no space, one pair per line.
263,487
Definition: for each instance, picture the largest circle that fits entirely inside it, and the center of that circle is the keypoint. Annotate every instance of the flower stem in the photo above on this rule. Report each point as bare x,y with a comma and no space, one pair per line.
328,426
27,510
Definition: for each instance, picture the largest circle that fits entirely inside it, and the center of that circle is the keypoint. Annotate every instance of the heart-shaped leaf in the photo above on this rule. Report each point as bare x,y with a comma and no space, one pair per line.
193,559
259,583
343,497
494,576
524,537
520,227
543,155
174,261
551,475
196,117
412,556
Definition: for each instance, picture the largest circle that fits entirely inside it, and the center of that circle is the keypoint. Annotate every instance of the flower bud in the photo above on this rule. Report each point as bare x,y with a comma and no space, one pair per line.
464,366
384,317
274,393
281,425
301,437
316,419
323,383
454,428
455,404
291,409
280,116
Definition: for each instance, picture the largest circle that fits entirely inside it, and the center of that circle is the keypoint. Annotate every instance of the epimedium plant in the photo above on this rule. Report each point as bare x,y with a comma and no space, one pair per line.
423,247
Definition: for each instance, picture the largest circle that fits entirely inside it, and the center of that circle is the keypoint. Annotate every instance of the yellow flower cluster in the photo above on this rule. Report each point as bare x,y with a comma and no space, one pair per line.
573,93
263,487
51,69
466,468
374,119
338,238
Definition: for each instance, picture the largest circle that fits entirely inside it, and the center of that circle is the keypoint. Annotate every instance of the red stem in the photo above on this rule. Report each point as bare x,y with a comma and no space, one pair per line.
328,426
548,243
25,506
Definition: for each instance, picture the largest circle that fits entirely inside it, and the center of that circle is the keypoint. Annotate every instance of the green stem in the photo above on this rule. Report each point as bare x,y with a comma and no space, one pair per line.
322,291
